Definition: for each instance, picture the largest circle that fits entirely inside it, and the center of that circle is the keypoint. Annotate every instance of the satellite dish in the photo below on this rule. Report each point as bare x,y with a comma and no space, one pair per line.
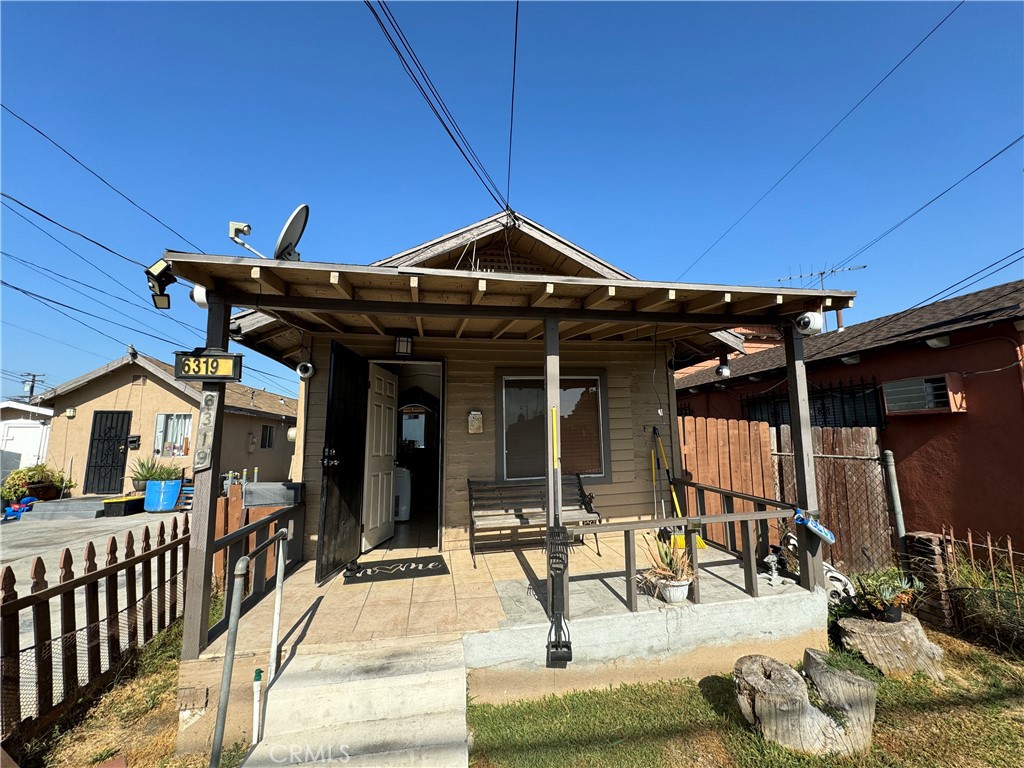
291,234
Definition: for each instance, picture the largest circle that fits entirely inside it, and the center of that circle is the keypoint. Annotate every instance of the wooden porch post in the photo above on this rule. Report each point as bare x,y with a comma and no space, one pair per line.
553,439
811,572
207,490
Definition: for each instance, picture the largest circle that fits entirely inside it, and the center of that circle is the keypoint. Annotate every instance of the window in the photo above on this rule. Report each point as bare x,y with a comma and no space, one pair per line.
583,427
267,436
173,434
833,405
935,393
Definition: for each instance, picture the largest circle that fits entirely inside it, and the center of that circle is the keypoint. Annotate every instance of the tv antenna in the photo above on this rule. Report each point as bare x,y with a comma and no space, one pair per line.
822,274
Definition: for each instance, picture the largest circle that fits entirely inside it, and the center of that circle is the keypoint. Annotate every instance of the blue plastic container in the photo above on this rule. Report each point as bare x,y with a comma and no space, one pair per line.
162,495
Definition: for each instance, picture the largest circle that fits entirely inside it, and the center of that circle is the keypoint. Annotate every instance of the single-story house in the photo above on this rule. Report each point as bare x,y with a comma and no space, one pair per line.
25,432
133,407
944,385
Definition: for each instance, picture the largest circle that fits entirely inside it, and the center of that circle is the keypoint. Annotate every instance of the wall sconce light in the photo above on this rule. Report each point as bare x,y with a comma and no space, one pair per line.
939,342
159,277
849,359
694,390
403,346
70,413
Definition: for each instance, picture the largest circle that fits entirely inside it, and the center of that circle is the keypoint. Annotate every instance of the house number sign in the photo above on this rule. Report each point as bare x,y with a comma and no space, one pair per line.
207,365
204,437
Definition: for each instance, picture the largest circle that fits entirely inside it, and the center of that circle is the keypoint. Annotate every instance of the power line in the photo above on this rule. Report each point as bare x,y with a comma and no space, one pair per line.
907,218
512,109
90,170
73,231
55,341
819,141
453,129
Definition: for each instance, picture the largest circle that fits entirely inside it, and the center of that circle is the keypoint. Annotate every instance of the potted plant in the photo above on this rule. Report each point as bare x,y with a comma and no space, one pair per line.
670,572
146,469
883,595
39,481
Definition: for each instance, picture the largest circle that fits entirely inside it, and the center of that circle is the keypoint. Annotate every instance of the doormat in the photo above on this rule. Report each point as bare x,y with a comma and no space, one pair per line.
407,568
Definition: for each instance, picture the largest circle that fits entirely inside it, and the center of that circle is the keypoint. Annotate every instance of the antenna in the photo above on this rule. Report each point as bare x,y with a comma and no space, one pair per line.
821,275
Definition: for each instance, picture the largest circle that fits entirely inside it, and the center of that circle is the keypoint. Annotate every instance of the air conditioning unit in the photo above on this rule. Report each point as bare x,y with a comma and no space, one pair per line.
931,394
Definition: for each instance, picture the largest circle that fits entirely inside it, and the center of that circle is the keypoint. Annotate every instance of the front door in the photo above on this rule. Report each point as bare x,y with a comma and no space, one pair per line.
108,452
379,478
341,496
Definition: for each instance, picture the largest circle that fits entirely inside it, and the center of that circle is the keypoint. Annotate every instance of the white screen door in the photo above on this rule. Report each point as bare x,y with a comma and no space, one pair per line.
379,478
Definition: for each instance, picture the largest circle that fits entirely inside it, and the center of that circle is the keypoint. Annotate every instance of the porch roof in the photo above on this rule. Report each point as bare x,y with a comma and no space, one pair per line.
293,299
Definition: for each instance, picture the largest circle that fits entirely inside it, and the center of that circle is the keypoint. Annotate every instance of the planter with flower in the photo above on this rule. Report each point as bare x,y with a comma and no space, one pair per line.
39,481
670,572
884,594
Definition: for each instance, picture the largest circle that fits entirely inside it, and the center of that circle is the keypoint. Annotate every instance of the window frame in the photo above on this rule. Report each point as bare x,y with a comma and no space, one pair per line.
500,376
265,430
159,438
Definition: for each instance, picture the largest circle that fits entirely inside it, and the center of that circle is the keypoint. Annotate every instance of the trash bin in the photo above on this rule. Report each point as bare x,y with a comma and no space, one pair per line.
162,495
403,494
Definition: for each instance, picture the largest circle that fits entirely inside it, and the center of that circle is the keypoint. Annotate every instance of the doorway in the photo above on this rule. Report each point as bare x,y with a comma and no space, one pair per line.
108,452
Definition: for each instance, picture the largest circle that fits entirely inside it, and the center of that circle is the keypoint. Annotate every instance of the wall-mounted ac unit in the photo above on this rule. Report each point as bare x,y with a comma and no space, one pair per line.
930,394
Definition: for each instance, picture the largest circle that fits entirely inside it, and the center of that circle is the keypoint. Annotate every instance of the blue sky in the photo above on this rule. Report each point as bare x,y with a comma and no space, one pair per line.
643,131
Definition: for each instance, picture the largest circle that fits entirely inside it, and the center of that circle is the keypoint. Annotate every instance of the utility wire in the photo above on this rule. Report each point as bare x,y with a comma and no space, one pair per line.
819,141
90,170
141,303
453,130
512,110
72,231
56,341
907,218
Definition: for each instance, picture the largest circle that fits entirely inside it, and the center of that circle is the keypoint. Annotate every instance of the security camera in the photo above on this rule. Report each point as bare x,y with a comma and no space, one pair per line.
810,323
723,371
238,228
305,370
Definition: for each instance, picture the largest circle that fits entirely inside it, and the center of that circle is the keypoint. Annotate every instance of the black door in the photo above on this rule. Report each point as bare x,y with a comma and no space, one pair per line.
108,452
341,495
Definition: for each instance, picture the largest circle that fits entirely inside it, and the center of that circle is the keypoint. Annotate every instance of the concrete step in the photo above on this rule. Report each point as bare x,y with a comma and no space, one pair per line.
86,508
438,738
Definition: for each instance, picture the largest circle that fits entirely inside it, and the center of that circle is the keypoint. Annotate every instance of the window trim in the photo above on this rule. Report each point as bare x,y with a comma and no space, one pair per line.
159,451
501,374
273,436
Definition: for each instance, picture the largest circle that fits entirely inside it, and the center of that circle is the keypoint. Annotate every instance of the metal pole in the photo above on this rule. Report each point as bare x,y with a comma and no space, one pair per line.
241,570
278,594
897,505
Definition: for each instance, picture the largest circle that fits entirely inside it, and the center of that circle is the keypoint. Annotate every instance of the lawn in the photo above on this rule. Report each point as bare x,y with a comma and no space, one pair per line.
974,718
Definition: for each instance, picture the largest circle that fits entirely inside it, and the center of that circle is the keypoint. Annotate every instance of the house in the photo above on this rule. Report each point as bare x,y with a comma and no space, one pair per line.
25,432
133,408
504,353
942,382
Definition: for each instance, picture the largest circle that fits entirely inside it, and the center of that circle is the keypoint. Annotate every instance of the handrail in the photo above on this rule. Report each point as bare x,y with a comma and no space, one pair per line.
246,530
777,503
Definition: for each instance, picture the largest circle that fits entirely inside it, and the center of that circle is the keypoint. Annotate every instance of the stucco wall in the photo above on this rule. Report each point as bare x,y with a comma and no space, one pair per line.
69,438
964,469
633,402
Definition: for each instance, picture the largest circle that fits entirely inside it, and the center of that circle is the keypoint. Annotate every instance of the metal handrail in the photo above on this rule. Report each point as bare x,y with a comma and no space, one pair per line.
241,570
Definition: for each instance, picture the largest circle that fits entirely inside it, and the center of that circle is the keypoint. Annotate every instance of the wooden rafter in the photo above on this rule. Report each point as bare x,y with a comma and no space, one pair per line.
342,285
268,281
708,301
655,300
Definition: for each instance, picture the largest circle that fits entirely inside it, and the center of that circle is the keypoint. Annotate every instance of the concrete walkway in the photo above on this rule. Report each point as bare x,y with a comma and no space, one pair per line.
388,704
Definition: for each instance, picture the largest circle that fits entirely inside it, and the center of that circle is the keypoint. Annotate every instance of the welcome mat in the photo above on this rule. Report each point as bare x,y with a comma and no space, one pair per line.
406,568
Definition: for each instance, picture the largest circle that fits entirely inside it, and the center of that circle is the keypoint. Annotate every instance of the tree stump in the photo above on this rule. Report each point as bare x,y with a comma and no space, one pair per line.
898,649
774,699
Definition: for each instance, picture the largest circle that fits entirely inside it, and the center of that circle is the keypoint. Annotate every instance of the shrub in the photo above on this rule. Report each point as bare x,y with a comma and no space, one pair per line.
15,487
153,469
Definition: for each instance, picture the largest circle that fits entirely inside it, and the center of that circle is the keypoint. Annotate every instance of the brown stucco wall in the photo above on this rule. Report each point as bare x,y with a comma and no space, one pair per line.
961,469
470,368
69,438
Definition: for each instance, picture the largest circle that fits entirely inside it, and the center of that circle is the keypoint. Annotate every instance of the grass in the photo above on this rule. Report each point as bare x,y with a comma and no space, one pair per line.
974,718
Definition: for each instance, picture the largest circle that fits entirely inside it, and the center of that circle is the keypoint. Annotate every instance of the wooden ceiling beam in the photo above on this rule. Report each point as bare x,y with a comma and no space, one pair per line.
543,295
375,324
757,303
708,301
343,285
414,292
478,292
582,329
655,300
599,297
331,322
269,281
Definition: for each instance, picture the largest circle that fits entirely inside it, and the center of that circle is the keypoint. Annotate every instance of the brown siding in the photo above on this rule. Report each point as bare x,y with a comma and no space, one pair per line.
632,404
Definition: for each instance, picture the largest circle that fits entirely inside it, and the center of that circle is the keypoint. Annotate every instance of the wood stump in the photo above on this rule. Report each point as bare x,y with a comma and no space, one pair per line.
774,699
898,649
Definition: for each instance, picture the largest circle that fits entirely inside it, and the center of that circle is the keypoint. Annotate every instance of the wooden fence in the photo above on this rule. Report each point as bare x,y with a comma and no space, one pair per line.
95,635
752,458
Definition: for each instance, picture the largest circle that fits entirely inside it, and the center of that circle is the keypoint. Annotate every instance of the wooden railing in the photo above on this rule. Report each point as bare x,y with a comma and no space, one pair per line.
80,653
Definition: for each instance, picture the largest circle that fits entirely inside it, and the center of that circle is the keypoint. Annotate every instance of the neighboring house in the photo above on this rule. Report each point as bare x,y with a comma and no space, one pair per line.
134,408
26,429
450,339
943,383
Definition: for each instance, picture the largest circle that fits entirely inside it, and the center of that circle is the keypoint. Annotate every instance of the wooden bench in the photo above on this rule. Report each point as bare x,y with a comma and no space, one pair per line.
515,505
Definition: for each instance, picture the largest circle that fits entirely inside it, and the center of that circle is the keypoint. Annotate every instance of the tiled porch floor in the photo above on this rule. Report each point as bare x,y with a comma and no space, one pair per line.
506,588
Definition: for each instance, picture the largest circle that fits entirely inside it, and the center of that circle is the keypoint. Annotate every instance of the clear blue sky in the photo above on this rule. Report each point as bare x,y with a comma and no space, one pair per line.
642,132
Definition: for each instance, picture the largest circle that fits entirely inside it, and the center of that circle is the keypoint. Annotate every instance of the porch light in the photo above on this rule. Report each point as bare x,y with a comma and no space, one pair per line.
403,346
850,359
70,413
939,342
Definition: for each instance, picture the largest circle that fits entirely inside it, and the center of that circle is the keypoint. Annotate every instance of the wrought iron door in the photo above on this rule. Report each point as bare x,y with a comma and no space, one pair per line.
108,452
